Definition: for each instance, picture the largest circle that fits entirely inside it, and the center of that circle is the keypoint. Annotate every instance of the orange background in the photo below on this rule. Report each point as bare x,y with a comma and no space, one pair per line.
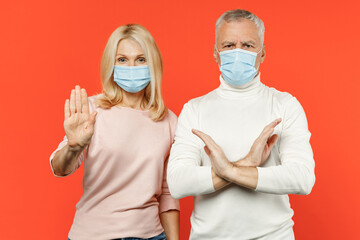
46,47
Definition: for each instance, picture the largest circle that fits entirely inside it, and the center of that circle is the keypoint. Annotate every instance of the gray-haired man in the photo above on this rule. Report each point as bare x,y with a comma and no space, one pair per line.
240,172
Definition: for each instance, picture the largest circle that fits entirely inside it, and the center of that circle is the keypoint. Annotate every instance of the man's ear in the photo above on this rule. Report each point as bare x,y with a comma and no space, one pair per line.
263,54
216,56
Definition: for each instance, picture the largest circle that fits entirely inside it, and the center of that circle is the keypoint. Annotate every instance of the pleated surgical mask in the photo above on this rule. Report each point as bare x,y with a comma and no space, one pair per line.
132,78
238,66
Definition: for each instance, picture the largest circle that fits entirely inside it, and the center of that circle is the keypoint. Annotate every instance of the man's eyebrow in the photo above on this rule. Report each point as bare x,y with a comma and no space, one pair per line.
227,43
248,42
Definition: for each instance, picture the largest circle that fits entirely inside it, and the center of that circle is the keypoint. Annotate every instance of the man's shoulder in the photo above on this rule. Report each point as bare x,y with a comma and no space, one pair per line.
280,96
285,101
198,101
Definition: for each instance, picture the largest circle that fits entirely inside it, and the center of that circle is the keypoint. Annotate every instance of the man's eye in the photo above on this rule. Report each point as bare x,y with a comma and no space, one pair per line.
227,46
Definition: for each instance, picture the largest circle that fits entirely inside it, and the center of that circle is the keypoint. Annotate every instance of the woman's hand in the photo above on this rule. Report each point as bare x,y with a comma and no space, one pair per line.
261,148
78,124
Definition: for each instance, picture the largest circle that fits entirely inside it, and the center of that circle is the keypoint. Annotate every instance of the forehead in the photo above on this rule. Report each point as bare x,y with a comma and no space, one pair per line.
243,30
129,46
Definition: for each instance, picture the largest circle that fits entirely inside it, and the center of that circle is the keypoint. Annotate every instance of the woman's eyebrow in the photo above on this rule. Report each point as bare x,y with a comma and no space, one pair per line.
120,54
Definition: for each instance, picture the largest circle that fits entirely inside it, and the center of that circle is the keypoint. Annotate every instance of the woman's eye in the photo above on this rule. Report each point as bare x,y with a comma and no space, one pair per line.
142,60
121,60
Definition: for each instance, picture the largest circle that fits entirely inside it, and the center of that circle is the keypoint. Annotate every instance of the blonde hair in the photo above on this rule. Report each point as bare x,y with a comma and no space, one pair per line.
112,93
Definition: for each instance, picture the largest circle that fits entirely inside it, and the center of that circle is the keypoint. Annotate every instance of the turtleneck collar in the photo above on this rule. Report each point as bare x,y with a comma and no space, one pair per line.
230,91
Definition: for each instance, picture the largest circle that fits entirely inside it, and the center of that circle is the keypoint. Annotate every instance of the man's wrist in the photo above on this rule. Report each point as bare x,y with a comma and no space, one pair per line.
245,162
242,175
229,173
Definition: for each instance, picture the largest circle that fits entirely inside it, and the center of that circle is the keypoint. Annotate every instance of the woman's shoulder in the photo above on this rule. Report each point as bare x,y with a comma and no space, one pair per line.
92,101
171,114
94,97
171,118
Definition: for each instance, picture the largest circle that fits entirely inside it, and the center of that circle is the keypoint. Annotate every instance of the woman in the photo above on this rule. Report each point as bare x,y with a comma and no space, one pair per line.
124,136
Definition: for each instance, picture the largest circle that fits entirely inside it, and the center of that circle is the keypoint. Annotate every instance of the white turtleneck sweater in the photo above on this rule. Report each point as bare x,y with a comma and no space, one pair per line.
234,117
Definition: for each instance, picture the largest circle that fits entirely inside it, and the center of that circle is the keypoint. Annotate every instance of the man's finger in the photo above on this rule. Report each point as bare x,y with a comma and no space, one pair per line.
272,140
269,129
207,150
205,138
201,135
274,123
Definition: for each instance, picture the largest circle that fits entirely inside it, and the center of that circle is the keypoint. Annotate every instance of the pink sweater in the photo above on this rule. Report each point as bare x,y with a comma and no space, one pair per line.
124,179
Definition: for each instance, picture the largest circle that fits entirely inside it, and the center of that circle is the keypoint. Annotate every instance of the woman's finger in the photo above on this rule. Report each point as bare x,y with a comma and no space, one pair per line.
67,109
78,99
84,101
72,102
92,119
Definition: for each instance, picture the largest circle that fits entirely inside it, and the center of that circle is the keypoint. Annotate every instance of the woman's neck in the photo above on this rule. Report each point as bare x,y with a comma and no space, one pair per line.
133,100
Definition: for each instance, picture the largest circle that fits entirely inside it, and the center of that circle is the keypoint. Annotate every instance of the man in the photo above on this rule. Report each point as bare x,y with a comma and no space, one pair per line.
238,171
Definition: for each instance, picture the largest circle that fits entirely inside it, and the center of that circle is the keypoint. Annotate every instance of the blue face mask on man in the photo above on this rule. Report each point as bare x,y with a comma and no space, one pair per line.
132,78
238,66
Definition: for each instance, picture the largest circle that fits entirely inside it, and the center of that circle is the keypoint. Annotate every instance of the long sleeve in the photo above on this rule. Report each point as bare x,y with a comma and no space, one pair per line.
65,141
62,144
295,175
186,175
166,201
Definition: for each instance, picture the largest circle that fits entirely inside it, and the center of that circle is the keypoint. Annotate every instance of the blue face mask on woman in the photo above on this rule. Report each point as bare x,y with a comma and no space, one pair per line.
132,79
238,66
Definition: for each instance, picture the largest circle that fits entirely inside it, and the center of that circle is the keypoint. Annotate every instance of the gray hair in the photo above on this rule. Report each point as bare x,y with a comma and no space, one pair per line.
237,15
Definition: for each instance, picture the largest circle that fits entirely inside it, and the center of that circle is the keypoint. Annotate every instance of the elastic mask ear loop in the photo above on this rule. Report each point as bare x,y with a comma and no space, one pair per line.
217,50
259,50
257,69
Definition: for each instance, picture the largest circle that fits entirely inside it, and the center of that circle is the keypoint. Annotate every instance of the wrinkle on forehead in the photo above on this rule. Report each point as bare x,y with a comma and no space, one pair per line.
238,31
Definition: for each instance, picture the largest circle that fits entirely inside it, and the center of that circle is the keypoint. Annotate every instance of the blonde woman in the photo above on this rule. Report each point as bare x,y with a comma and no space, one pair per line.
124,137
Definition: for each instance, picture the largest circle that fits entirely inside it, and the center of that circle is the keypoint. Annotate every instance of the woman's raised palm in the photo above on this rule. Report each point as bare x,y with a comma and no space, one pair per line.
78,123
